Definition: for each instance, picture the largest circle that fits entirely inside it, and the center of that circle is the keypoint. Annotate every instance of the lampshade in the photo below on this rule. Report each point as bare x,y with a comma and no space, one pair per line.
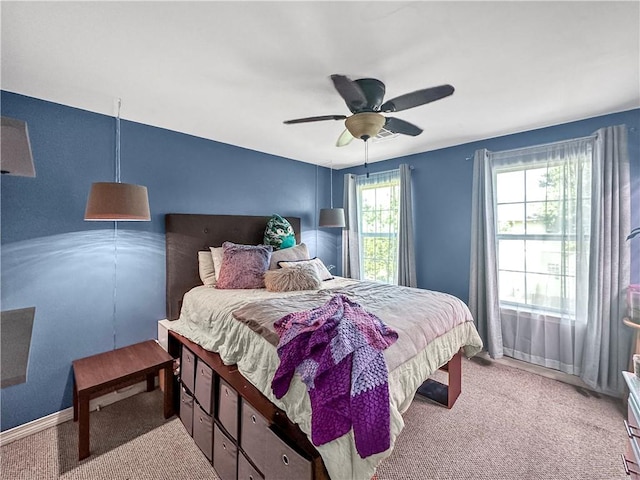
364,125
117,202
331,217
16,156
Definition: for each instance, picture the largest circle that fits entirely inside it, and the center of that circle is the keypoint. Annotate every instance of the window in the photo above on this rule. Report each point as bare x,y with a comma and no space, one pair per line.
542,231
378,214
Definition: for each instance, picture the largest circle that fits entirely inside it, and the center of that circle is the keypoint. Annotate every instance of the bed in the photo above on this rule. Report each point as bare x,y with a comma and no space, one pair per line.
219,327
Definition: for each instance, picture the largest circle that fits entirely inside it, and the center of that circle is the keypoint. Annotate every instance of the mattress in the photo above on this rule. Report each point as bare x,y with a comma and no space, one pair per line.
432,328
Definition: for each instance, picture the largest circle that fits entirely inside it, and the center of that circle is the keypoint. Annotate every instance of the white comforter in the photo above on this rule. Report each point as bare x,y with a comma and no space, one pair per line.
430,332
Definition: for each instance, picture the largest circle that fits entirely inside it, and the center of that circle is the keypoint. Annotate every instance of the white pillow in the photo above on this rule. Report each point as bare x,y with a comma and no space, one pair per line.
206,270
217,254
321,270
299,252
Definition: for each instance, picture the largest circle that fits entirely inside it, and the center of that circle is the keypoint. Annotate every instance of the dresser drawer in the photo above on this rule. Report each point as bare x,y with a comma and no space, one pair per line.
186,410
228,408
254,434
246,470
283,463
204,382
225,455
203,431
187,368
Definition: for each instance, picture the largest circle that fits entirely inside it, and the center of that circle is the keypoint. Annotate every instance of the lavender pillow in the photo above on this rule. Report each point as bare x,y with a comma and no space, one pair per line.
243,266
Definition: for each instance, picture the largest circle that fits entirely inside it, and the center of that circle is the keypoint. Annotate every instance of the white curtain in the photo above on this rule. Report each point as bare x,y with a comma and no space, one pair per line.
406,244
405,268
583,334
350,233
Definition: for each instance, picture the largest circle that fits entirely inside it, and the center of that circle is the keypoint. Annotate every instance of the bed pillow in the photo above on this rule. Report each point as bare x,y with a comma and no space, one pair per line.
316,263
299,252
216,254
243,266
301,277
279,233
206,270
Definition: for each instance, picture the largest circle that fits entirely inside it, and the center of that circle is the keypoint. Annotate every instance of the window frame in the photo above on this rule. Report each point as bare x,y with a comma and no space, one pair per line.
563,238
391,260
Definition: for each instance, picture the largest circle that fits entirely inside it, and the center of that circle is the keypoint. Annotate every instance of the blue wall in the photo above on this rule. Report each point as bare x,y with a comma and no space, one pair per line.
442,182
64,266
52,259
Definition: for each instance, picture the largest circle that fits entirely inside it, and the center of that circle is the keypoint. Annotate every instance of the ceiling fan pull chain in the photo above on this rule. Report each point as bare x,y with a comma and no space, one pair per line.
366,157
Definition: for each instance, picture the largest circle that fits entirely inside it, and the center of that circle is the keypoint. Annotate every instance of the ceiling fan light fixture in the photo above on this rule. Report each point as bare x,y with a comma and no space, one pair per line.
365,125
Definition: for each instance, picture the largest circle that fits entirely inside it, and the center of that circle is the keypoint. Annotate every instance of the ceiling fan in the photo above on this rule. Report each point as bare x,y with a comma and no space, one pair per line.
364,97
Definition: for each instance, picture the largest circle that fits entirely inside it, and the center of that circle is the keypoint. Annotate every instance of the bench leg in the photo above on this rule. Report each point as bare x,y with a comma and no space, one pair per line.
151,382
75,402
83,426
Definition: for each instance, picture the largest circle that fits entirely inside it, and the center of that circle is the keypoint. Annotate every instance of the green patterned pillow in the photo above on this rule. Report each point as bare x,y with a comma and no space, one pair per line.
279,233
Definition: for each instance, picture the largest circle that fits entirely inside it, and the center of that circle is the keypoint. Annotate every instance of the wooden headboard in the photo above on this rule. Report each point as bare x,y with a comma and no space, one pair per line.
187,234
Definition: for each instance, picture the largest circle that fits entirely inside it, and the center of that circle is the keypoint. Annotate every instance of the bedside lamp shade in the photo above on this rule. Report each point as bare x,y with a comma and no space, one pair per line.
112,201
331,217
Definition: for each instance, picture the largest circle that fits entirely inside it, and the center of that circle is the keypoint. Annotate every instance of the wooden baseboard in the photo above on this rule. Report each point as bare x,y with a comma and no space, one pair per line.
56,418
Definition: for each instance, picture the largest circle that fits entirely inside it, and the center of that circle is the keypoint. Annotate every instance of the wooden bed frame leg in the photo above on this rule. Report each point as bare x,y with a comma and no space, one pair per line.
445,395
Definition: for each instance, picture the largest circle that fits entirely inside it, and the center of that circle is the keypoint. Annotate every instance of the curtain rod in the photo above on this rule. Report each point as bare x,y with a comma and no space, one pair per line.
561,142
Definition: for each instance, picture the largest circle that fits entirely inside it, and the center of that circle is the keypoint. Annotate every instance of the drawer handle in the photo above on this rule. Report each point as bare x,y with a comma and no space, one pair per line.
629,431
253,419
200,419
224,446
625,464
226,392
250,477
285,460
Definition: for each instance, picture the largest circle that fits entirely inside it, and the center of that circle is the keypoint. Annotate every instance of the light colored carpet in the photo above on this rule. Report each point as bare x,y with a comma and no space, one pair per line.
507,425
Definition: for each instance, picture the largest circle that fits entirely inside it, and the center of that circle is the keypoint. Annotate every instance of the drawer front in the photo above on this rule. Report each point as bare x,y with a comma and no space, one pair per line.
631,466
186,410
254,434
246,470
203,389
284,463
228,408
203,431
633,429
225,455
187,368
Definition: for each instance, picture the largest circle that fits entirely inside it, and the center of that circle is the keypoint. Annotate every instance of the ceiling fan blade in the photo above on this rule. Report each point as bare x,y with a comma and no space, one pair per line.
315,119
396,125
417,98
344,139
350,91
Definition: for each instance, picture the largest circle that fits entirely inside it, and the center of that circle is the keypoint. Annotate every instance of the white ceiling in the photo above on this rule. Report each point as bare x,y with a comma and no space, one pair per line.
233,71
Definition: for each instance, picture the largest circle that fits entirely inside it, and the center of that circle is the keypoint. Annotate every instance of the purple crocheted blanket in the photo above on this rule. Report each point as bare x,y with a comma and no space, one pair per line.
337,350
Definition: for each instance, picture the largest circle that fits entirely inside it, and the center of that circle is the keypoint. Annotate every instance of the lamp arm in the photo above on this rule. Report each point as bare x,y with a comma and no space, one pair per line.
634,233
